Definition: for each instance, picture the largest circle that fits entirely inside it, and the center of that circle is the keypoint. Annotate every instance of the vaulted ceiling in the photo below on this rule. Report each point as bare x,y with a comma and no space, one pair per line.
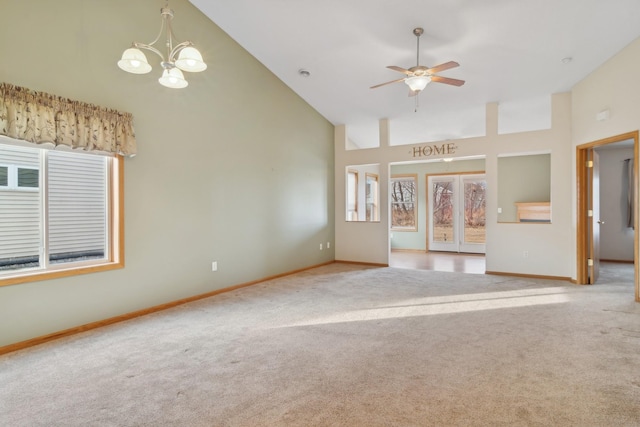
509,51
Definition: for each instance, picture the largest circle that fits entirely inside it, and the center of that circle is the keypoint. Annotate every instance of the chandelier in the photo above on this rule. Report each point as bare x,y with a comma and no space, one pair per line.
188,57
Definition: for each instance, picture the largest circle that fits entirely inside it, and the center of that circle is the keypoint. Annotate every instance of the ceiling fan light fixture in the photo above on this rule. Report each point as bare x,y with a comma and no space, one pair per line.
417,83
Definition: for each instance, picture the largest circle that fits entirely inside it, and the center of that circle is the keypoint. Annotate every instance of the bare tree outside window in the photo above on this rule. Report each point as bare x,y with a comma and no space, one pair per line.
404,202
442,211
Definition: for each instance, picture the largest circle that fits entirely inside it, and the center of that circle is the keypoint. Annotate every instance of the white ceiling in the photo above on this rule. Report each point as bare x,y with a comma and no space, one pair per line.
509,51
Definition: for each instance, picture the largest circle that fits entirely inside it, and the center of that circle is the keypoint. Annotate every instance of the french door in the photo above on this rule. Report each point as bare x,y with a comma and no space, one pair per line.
456,213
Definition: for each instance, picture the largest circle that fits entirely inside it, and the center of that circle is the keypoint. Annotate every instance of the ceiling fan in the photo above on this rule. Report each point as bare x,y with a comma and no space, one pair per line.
418,77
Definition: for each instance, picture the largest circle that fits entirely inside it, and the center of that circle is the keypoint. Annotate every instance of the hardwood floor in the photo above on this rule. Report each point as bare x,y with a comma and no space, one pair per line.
438,261
475,264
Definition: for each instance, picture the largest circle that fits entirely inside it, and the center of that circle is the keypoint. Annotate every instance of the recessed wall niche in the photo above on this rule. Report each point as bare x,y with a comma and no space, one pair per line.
524,188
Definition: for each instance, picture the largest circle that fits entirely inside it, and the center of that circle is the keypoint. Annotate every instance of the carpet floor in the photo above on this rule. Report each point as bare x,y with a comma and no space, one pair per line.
345,345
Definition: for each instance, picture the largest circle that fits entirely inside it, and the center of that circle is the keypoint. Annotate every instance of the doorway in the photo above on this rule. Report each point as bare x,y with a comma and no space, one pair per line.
456,213
588,224
410,245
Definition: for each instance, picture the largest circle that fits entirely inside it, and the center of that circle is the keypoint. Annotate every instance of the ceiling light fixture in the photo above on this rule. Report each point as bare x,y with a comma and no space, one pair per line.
417,83
420,79
188,57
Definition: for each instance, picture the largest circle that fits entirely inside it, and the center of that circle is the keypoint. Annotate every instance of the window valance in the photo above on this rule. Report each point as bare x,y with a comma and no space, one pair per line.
39,117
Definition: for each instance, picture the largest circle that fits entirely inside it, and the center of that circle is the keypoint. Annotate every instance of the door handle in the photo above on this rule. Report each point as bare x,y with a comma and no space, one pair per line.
600,222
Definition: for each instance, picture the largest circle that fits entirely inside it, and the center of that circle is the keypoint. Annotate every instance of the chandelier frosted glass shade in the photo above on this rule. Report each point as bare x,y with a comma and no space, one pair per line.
190,60
134,61
173,78
418,83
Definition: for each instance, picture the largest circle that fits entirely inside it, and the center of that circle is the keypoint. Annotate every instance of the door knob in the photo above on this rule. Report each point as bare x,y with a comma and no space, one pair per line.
600,222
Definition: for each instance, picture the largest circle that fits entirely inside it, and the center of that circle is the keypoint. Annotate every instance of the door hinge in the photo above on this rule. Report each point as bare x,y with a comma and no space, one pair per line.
590,262
590,213
589,163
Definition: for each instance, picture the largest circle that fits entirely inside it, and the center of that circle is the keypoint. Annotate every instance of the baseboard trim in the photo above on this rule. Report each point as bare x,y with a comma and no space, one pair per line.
139,313
530,276
417,251
372,264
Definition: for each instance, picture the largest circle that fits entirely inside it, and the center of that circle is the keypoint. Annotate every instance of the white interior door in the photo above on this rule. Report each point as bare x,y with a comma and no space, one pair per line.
456,213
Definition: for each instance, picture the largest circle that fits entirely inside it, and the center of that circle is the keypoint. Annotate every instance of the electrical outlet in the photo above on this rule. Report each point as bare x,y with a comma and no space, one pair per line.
320,246
214,266
525,254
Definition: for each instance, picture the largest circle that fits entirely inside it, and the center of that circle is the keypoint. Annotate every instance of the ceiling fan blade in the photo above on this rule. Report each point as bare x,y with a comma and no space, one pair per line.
442,67
386,83
399,69
447,80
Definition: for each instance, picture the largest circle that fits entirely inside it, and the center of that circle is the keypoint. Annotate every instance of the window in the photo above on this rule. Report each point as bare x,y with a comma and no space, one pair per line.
404,203
60,213
4,176
15,177
352,195
363,193
27,178
372,197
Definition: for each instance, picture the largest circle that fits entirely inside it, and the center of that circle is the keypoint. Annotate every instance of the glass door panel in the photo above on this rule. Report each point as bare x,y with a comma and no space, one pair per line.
474,189
457,213
442,208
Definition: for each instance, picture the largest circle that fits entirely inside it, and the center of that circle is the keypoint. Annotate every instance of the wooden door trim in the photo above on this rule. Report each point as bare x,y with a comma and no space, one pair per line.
581,206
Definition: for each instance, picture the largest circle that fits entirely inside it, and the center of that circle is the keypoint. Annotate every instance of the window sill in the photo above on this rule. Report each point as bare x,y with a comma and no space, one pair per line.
39,275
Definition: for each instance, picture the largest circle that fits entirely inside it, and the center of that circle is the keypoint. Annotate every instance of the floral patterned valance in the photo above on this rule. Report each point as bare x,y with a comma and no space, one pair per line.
39,117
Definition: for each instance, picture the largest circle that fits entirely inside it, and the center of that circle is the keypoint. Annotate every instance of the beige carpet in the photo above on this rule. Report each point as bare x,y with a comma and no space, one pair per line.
343,345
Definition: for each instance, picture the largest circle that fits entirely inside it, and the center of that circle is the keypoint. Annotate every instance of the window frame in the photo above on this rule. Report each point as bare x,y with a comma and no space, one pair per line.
114,247
404,177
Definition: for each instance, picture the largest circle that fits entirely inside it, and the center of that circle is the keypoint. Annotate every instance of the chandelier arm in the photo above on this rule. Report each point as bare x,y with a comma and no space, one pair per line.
177,49
150,48
163,20
170,37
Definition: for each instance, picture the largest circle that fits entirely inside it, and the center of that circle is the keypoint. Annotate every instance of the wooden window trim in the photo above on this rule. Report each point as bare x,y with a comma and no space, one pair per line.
414,176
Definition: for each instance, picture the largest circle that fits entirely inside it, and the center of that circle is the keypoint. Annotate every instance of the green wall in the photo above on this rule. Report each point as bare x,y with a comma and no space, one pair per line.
228,172
524,178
